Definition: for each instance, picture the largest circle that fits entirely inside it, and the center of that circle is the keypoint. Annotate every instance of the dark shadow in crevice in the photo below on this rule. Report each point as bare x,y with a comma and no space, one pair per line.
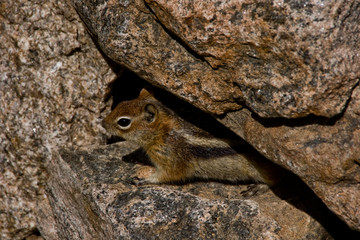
35,234
138,156
73,51
125,87
294,191
296,122
114,139
302,121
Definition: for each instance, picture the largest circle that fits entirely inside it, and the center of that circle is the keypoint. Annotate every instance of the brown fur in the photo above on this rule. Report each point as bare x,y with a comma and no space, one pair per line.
181,151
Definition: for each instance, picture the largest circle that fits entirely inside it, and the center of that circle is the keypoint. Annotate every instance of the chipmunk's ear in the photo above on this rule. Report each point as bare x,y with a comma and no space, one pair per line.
151,112
144,93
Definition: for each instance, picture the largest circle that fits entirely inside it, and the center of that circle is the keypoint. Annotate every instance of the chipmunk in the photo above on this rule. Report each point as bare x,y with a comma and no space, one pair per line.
179,150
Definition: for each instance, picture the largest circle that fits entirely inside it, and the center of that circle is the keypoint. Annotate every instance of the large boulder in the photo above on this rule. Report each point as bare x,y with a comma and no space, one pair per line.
52,82
92,195
296,62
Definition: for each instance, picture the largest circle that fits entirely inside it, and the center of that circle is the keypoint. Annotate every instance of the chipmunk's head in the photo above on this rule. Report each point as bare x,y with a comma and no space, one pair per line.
135,120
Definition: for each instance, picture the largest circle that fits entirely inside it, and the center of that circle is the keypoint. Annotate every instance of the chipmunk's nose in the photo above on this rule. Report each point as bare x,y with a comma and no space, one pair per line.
105,124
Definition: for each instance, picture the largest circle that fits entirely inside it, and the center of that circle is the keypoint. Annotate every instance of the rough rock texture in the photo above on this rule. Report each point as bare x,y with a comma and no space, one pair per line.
128,33
52,80
92,195
283,59
287,59
325,153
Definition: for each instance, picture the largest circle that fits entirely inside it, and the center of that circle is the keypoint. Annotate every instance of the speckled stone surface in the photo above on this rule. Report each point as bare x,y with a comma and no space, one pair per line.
294,61
289,58
128,33
52,82
281,58
324,153
92,195
52,79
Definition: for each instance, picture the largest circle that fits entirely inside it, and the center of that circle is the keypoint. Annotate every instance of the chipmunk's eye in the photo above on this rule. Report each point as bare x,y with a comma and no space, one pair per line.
124,122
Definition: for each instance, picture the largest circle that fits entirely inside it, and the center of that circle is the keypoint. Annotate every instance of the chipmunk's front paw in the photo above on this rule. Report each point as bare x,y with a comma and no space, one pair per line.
145,181
141,175
145,175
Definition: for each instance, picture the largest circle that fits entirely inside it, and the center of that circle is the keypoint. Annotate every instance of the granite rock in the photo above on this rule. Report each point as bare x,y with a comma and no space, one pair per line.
282,59
325,153
299,58
289,58
294,65
52,82
128,33
93,196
